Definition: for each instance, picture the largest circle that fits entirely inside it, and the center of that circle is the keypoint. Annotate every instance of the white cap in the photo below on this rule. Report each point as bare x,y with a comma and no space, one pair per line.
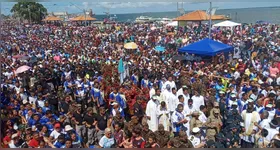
221,92
195,130
234,103
250,100
24,101
68,128
269,105
233,95
114,103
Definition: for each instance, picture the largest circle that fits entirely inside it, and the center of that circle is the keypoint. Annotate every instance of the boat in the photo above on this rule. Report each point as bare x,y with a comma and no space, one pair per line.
143,19
166,20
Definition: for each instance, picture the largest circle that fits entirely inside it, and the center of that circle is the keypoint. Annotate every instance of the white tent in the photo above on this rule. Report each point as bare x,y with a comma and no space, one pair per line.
173,24
226,24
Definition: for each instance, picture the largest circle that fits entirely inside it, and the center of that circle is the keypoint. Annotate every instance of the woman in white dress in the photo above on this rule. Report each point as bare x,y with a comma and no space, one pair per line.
163,116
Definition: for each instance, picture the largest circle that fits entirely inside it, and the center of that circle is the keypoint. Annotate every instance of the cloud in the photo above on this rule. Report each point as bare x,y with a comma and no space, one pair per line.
131,4
85,4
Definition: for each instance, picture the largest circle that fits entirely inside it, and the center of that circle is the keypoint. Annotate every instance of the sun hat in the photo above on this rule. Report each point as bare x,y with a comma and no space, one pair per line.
68,128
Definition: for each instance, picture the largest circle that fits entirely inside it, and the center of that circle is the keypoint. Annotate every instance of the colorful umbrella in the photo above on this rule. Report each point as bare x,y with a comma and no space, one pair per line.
131,45
22,69
159,48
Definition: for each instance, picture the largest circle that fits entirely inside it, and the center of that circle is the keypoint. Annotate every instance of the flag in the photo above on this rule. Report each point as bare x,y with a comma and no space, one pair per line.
211,11
121,70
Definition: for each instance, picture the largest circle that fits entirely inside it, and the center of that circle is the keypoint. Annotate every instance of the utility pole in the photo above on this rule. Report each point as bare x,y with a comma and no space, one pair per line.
29,14
210,19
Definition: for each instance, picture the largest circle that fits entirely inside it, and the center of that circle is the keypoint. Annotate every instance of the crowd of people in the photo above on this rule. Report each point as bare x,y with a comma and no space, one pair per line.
71,95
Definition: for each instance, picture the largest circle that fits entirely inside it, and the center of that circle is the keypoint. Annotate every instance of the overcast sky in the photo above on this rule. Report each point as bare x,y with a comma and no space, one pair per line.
122,6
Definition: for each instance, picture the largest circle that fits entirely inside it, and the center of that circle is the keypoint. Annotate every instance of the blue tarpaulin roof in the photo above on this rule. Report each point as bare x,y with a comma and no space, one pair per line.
206,47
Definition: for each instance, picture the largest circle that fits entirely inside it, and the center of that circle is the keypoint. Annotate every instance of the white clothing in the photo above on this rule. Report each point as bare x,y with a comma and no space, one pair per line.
271,133
265,123
106,142
197,102
55,134
151,112
195,141
164,117
171,102
202,117
152,92
172,85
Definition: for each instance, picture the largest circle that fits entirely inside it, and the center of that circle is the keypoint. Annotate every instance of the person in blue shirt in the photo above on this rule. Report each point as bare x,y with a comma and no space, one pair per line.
96,95
60,142
113,95
120,99
134,78
34,120
46,118
145,82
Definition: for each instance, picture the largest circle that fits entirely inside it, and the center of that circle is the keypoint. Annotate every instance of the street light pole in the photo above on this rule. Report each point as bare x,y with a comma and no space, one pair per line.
210,20
29,14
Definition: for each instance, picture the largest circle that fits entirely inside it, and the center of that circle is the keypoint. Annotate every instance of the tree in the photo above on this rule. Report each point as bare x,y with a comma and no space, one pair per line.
30,11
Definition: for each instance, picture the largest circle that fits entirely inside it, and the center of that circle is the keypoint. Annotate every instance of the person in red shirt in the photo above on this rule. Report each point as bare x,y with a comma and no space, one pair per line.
137,140
35,140
7,139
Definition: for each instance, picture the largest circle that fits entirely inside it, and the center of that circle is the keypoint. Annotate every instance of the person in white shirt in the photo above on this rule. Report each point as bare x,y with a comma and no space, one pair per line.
151,113
172,101
163,115
198,100
202,117
184,91
265,121
166,93
152,90
56,132
272,129
169,82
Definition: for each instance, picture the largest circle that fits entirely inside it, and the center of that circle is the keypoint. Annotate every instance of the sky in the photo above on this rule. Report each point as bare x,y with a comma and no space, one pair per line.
124,6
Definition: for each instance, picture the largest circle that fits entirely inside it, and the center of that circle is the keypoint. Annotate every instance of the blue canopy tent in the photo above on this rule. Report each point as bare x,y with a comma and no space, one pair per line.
206,47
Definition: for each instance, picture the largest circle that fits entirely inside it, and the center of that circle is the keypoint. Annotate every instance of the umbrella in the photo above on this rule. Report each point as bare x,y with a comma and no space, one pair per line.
23,58
22,69
160,48
131,45
178,57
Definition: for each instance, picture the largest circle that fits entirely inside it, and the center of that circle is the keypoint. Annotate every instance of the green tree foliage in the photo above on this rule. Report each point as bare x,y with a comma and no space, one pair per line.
30,11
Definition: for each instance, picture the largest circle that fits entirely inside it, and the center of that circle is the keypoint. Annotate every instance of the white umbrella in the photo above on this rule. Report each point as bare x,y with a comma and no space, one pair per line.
22,69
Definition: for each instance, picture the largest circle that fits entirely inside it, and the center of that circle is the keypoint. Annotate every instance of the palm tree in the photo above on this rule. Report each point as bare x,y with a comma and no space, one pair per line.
32,11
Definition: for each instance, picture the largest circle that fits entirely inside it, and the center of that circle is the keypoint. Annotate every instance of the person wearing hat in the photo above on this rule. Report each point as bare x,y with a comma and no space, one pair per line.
80,94
152,118
232,136
116,108
232,99
56,132
195,138
213,124
271,111
195,122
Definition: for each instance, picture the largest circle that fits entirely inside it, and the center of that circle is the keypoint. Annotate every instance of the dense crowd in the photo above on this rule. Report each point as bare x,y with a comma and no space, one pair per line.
73,96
